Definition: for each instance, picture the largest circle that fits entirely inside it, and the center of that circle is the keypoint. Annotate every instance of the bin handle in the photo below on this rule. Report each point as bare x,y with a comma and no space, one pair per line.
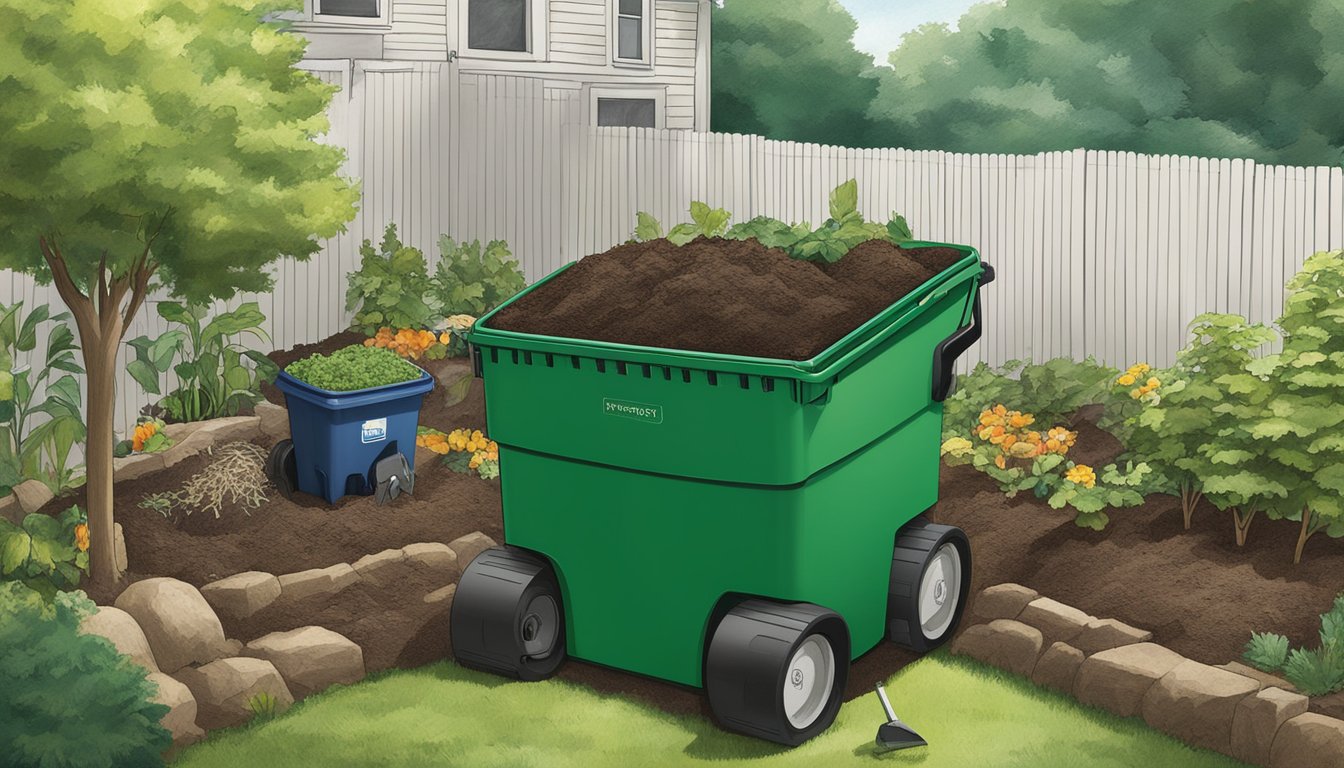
949,349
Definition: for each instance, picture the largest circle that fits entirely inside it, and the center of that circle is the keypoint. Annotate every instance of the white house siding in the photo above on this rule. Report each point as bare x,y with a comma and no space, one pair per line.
579,31
674,59
419,31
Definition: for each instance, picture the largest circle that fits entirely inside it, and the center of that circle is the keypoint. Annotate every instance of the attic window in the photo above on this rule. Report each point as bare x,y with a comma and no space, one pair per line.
498,25
362,9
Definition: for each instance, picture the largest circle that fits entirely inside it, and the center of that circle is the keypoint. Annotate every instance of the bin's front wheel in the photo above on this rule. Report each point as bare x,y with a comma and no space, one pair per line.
282,470
507,616
777,671
930,581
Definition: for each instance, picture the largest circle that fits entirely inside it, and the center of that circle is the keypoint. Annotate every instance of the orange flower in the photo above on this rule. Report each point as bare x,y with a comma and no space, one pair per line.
82,537
1000,462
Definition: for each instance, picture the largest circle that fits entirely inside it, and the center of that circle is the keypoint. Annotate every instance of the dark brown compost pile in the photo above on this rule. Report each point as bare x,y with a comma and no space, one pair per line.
729,296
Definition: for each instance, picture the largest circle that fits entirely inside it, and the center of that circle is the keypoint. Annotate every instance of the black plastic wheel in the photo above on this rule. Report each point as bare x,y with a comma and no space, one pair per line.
930,582
507,616
282,470
777,671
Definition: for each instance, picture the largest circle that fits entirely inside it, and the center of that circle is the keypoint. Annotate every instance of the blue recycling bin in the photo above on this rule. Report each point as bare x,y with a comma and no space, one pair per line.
340,436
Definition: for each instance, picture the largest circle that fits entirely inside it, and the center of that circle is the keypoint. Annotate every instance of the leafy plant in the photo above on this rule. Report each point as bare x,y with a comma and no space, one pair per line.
71,699
1091,496
391,287
1053,391
1304,420
353,368
1266,651
213,379
470,280
31,448
262,705
45,553
463,450
829,242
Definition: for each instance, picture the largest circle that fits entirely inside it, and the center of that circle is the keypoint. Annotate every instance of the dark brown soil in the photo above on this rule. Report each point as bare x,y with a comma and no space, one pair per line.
725,296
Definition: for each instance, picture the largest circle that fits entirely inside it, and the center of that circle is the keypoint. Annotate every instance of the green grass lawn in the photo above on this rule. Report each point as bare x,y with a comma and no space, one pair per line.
445,715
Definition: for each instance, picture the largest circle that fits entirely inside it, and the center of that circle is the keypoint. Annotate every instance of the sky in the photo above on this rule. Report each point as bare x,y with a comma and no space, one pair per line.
882,22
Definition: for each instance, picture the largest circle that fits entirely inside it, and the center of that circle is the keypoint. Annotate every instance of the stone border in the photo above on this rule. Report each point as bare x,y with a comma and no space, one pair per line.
173,630
1105,663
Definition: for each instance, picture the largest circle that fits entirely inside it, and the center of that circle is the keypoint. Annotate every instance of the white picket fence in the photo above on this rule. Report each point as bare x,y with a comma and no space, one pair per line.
1098,253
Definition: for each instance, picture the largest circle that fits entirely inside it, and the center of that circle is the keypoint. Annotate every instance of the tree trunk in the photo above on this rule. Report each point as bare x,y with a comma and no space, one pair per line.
1189,500
1303,534
1243,524
100,358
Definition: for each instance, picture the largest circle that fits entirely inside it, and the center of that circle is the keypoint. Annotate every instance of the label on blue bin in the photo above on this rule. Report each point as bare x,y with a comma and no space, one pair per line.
373,431
653,414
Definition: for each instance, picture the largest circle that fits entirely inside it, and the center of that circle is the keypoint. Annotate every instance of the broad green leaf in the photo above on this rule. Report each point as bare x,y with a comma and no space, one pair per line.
647,227
175,312
144,375
844,199
14,547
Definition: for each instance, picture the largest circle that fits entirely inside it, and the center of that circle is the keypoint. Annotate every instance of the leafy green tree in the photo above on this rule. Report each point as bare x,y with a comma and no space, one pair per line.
167,141
1305,420
790,71
1261,79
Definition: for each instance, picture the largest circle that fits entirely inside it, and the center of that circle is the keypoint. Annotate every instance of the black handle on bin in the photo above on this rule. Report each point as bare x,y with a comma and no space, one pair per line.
949,349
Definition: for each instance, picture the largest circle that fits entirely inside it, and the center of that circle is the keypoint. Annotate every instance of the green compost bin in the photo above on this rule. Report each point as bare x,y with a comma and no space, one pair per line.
660,482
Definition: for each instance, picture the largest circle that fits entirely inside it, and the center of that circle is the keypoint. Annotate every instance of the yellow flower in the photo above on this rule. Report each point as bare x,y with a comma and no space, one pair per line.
1138,369
1020,420
460,322
82,537
1126,380
956,446
1153,383
1136,394
1022,450
445,338
1081,474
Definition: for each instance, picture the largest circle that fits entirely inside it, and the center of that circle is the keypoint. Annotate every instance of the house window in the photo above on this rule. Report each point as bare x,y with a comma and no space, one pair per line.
632,113
631,33
362,9
631,107
499,25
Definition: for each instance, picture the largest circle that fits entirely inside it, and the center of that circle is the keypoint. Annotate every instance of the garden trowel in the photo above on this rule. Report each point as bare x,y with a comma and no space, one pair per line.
894,734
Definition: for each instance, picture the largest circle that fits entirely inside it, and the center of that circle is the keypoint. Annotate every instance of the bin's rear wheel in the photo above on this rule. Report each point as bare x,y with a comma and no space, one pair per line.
507,615
930,581
282,470
777,671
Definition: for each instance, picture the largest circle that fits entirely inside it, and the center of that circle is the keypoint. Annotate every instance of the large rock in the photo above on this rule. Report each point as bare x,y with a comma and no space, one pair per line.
381,568
1258,719
1003,643
1057,621
1105,634
1195,703
311,659
1058,667
1118,679
469,546
1003,601
442,595
1265,679
274,422
437,559
316,582
224,688
117,626
177,621
241,595
181,718
136,465
1308,740
32,495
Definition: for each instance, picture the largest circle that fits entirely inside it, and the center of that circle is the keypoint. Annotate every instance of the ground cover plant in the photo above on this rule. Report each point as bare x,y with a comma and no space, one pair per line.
353,368
45,553
463,450
406,717
1314,671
